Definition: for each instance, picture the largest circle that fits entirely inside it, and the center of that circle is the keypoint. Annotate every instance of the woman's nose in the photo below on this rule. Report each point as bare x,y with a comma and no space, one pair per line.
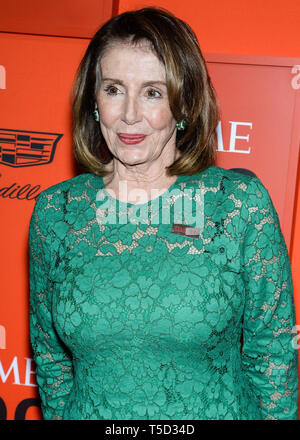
131,113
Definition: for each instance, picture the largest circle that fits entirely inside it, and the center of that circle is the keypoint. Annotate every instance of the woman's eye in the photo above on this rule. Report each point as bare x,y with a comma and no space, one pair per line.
152,93
111,90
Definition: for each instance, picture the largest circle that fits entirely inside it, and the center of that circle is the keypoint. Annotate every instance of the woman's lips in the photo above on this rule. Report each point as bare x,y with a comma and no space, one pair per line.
131,139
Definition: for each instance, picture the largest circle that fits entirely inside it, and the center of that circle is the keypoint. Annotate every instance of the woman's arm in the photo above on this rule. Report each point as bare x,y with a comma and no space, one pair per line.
269,359
53,363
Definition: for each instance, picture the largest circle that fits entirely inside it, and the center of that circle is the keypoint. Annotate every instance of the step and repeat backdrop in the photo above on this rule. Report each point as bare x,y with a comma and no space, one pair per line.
39,55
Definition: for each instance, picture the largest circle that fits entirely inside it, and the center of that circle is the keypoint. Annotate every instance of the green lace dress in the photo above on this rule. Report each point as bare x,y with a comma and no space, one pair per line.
131,321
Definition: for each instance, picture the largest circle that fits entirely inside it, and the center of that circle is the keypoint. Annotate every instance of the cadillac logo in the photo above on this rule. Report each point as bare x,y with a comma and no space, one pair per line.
20,148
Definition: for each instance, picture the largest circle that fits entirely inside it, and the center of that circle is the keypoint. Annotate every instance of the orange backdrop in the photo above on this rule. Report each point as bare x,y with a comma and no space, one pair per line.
36,76
36,73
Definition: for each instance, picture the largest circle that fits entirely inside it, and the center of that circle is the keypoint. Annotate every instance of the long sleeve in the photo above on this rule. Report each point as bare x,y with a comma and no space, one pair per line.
53,362
269,359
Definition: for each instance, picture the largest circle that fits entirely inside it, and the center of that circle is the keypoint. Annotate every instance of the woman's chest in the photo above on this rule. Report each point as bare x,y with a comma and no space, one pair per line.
147,282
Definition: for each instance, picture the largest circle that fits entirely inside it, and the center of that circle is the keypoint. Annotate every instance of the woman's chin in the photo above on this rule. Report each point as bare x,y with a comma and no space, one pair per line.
132,159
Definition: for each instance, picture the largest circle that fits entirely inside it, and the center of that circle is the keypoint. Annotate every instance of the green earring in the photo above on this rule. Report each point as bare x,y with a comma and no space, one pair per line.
181,125
96,115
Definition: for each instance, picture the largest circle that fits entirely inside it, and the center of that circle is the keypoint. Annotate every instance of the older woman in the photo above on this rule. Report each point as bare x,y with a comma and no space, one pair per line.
143,307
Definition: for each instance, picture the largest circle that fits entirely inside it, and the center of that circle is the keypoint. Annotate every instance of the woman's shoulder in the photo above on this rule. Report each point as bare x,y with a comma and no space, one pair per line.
75,186
79,182
215,176
217,173
242,184
64,198
55,198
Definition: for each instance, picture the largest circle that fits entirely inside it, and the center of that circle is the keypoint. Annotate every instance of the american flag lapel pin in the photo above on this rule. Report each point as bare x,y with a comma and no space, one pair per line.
188,231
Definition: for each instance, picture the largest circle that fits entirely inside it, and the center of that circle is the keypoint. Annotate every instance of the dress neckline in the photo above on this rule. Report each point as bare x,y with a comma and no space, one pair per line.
149,202
120,203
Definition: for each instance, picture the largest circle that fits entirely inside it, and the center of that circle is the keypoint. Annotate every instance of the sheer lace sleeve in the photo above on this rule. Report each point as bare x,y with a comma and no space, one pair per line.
53,362
268,356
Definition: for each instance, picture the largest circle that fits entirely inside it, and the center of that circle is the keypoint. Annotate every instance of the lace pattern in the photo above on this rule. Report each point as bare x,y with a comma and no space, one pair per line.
131,321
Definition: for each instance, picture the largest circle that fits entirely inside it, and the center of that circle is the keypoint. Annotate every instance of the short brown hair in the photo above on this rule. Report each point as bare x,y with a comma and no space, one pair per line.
190,91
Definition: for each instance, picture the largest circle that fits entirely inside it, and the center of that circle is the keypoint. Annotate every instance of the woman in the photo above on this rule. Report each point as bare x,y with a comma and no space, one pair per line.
143,308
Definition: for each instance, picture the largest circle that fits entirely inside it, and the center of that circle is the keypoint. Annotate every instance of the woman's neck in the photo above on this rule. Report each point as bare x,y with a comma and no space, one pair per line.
138,184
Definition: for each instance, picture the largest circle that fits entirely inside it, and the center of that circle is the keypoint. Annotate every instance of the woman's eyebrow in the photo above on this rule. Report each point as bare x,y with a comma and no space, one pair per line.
146,83
115,81
149,83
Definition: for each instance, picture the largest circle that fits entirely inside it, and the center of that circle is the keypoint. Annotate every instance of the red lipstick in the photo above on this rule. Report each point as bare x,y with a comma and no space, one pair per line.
131,139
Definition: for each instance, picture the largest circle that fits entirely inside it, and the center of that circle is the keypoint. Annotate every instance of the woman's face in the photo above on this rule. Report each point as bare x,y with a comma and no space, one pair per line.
135,117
